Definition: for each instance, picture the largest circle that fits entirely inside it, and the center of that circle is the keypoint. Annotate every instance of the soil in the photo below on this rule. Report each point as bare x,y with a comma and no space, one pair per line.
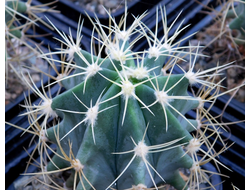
14,85
96,6
221,51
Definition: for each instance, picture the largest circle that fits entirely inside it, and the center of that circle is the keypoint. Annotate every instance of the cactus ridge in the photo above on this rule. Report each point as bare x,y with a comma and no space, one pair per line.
105,116
121,121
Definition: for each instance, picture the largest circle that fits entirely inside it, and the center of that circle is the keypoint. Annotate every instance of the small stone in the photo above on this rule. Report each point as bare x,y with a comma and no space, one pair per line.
231,83
111,4
241,95
19,89
28,188
232,72
7,95
13,96
90,7
101,10
35,77
21,183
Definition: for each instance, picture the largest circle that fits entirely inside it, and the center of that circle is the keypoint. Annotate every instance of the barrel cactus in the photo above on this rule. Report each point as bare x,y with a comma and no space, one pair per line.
122,117
114,120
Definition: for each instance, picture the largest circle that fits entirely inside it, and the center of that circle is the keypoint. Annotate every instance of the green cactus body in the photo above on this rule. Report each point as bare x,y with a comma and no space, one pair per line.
238,21
12,9
122,143
121,121
19,6
16,32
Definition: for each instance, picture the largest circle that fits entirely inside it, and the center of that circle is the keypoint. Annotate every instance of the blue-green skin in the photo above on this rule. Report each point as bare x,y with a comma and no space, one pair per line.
238,22
21,8
101,166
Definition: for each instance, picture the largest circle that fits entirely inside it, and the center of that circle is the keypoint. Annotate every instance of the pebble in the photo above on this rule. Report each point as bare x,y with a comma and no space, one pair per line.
14,86
21,183
97,5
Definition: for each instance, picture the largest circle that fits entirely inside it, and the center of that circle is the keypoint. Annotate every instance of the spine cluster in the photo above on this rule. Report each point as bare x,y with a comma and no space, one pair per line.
121,121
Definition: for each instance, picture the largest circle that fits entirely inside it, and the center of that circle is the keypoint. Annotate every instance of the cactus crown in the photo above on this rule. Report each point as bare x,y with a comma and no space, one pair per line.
122,118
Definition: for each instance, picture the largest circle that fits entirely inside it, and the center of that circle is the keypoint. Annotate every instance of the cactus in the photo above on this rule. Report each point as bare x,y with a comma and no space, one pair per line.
16,9
120,123
238,21
110,121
